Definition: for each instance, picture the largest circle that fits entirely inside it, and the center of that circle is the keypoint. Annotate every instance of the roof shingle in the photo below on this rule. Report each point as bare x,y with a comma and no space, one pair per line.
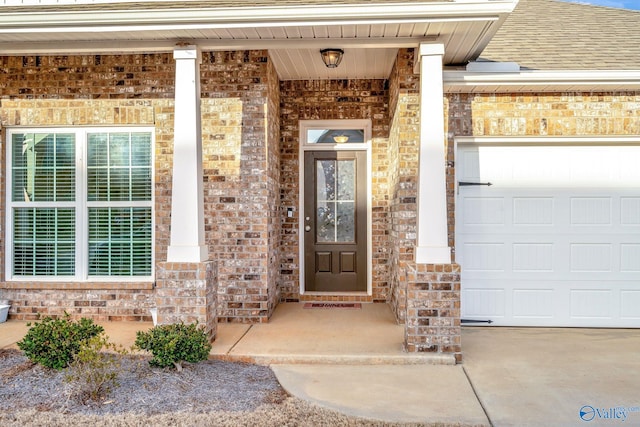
557,35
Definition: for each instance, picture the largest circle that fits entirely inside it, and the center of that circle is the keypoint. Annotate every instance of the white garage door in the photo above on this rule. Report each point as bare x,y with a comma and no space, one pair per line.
555,241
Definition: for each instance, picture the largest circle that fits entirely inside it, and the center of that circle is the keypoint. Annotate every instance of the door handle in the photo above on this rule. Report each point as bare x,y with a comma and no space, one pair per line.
307,228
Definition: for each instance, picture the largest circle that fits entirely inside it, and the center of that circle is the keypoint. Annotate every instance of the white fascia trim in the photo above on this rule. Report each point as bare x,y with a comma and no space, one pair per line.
595,78
239,17
133,46
506,141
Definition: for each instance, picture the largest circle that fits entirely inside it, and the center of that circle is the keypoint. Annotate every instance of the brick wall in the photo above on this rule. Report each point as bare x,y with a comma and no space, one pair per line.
241,164
552,114
187,292
130,302
403,185
241,173
276,214
142,76
329,100
89,90
433,310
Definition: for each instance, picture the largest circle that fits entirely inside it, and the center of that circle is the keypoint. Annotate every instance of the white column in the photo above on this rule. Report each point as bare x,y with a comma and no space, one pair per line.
187,206
433,246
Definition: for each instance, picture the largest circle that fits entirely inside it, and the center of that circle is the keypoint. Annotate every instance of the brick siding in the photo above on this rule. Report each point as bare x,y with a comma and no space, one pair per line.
433,310
186,292
240,122
403,179
100,302
241,183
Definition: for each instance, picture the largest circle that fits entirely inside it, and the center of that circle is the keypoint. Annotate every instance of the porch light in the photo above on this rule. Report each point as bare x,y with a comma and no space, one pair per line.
332,57
341,139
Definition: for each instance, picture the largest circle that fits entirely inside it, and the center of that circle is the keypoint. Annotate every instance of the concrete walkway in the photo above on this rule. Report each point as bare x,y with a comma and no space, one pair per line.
352,361
433,394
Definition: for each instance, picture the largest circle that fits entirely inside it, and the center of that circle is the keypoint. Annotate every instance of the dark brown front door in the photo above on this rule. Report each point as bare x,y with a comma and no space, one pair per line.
335,221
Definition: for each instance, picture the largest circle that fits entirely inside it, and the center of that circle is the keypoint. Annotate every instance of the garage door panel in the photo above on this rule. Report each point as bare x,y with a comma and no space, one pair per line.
552,303
533,211
534,303
560,259
555,241
630,211
485,256
630,258
591,257
484,211
532,257
561,213
591,211
592,304
483,302
630,304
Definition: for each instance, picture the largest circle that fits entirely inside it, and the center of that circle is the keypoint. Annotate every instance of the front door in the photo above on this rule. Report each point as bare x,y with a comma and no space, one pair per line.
335,221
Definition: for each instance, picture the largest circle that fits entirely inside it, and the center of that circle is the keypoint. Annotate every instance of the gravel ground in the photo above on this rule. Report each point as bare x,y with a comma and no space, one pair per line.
211,393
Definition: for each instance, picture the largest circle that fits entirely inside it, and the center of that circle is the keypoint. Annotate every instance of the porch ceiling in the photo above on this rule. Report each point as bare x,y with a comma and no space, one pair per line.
370,33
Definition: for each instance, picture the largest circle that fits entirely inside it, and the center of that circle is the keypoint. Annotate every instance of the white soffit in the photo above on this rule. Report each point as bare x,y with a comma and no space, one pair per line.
541,81
302,64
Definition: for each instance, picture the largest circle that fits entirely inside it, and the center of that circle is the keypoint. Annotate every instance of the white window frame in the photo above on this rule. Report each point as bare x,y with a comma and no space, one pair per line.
305,126
81,204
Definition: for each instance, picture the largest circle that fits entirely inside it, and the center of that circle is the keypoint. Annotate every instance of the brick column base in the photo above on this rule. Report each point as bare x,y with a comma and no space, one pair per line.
433,310
187,292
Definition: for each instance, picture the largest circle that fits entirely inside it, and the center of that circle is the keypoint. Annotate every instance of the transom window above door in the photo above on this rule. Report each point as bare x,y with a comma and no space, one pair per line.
79,204
335,136
319,133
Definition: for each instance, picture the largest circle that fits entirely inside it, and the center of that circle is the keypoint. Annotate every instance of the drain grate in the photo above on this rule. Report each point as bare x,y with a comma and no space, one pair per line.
350,305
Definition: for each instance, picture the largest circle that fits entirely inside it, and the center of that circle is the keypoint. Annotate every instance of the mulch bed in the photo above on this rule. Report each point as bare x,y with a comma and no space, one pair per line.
210,393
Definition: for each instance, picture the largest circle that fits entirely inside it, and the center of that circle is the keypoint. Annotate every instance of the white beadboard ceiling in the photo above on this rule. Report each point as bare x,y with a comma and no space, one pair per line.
302,64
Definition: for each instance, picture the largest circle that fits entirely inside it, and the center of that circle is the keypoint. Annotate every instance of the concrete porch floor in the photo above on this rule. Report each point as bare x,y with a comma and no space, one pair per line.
293,335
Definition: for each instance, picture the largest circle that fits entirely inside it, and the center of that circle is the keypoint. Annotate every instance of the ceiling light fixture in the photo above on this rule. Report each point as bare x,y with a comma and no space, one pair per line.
332,57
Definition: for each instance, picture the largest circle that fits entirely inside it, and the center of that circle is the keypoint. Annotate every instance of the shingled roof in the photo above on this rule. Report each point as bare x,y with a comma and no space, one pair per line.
557,35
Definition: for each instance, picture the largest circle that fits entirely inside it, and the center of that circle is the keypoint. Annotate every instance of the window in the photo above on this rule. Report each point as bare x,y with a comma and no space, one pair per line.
335,134
80,204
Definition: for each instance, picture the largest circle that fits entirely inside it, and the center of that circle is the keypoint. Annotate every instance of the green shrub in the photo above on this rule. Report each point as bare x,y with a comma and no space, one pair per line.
53,342
94,373
173,344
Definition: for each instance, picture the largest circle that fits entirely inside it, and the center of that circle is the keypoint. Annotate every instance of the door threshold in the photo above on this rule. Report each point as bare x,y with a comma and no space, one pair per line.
337,294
